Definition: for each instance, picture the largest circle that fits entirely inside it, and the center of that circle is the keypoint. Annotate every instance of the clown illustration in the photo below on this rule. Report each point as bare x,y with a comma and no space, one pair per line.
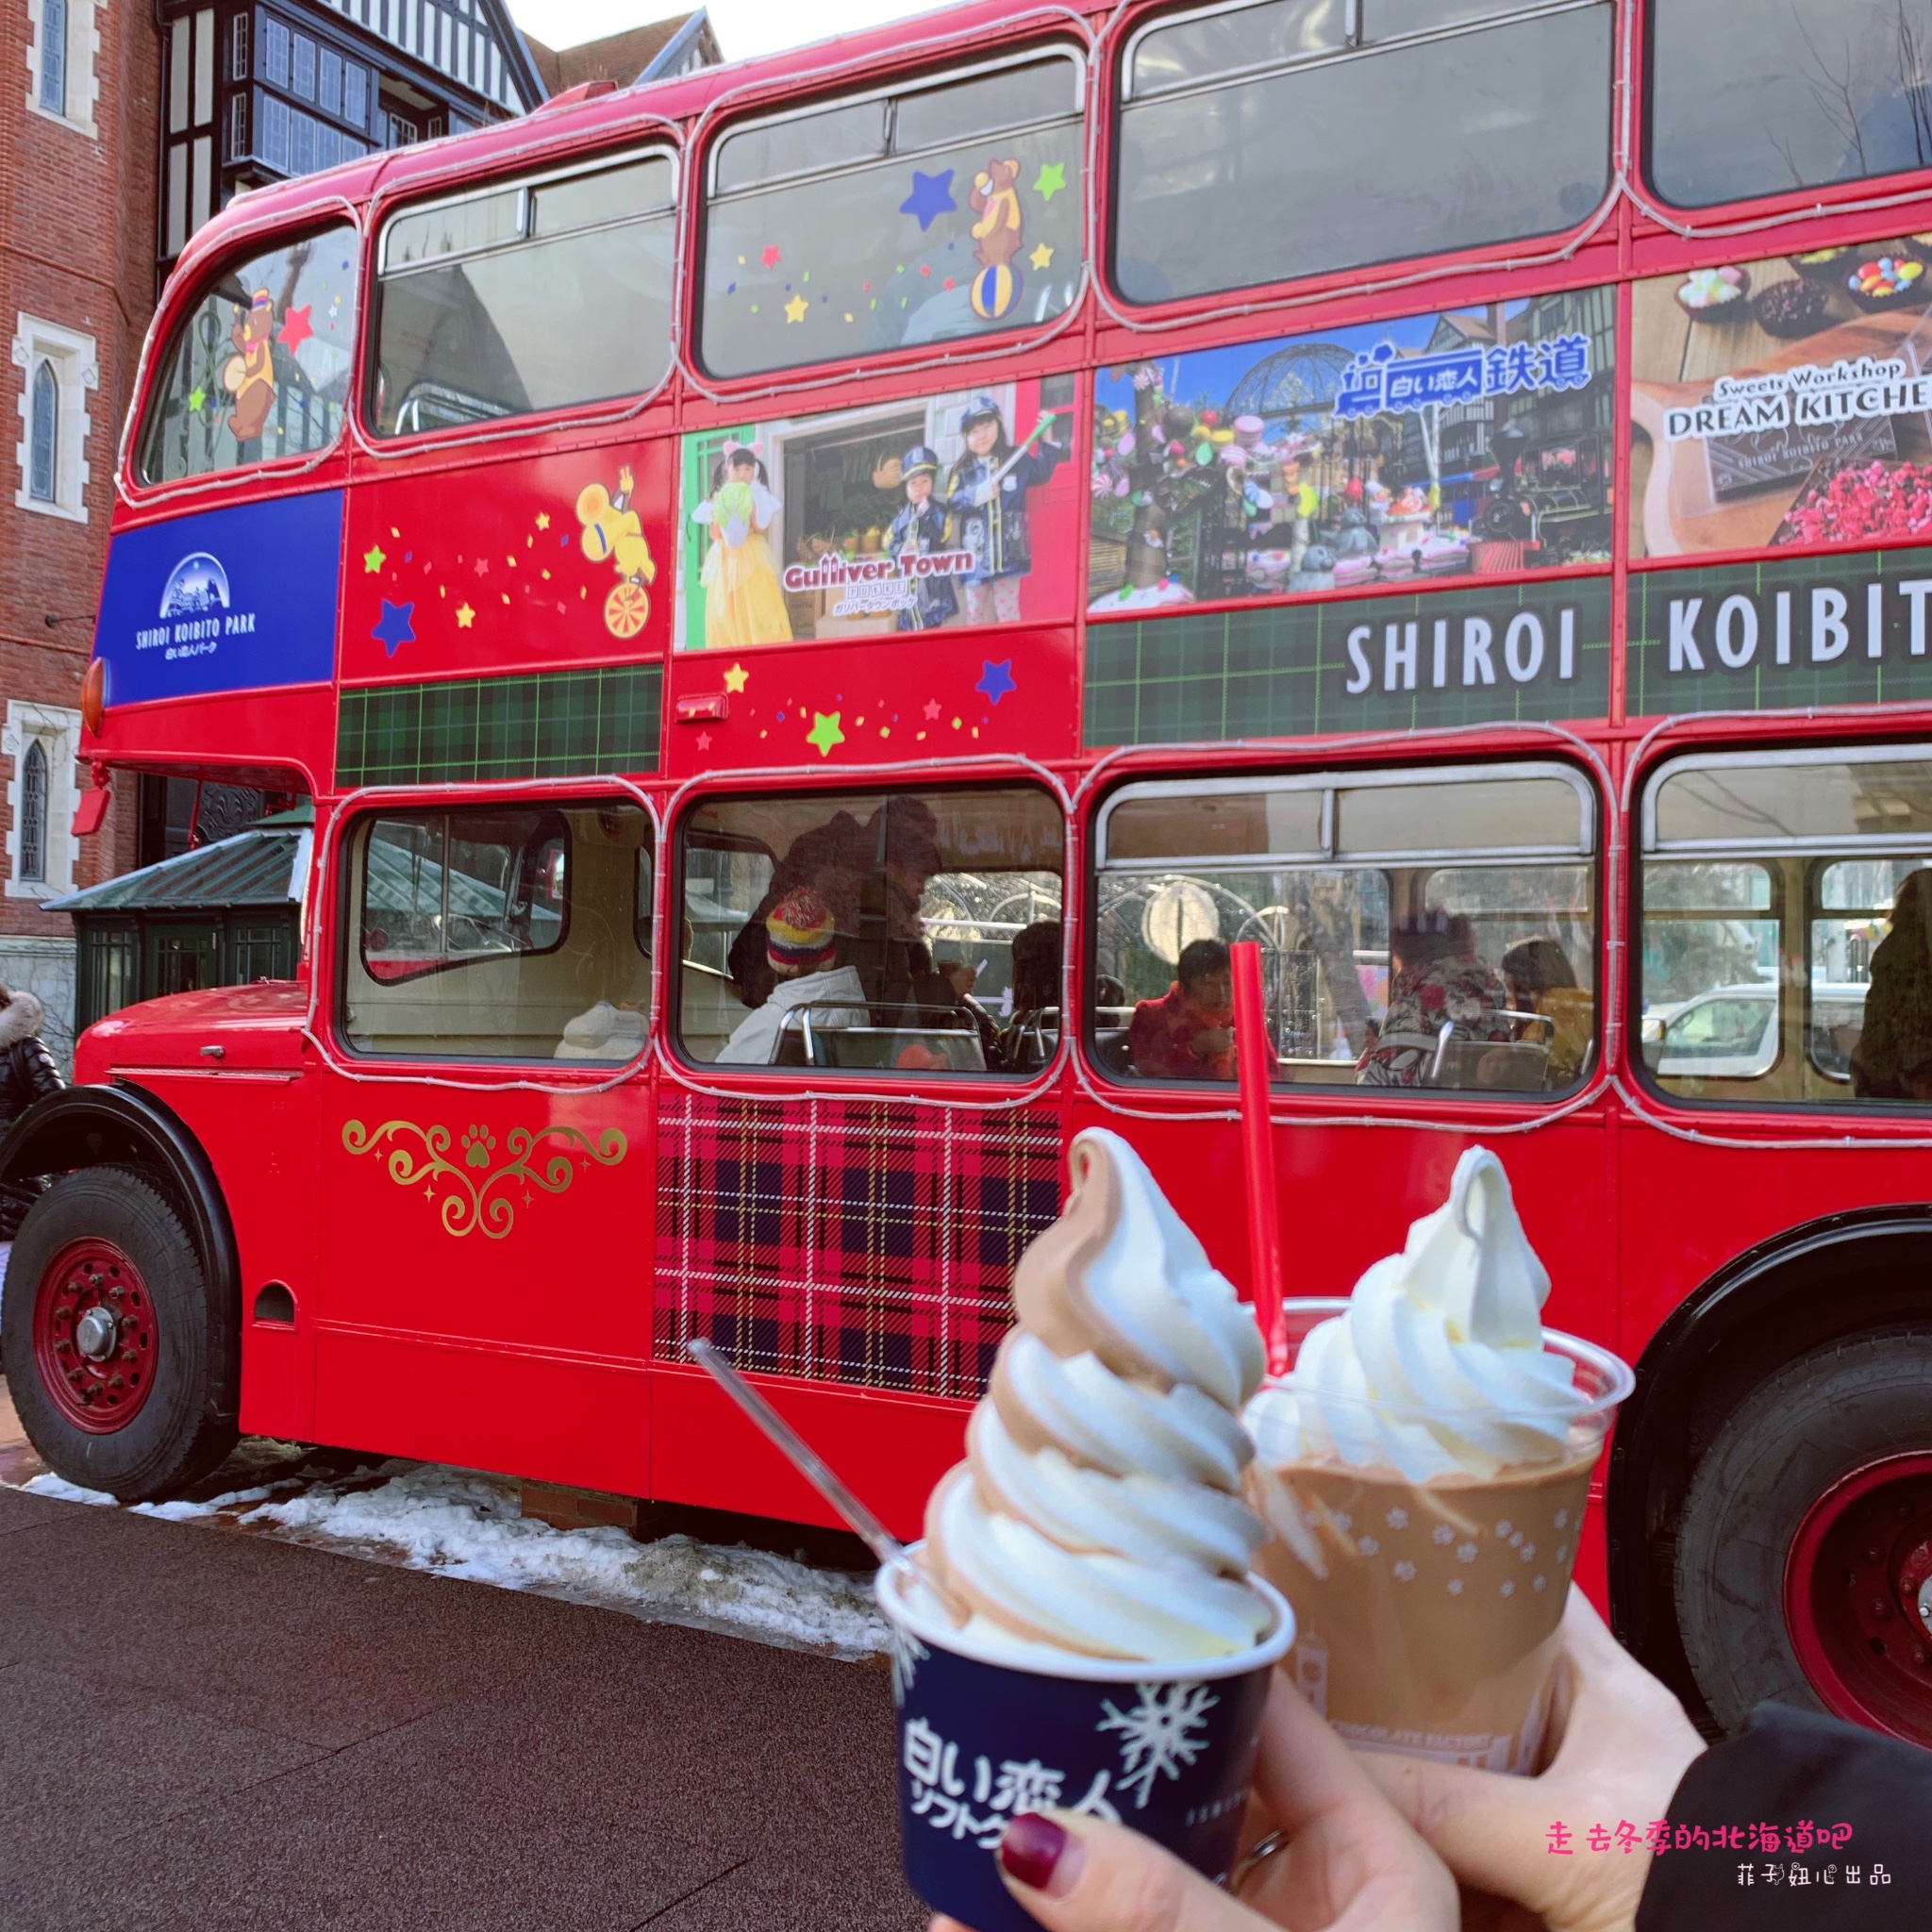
614,533
743,603
250,375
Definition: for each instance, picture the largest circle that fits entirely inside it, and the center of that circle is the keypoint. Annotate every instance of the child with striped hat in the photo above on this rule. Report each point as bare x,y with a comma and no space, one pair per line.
802,949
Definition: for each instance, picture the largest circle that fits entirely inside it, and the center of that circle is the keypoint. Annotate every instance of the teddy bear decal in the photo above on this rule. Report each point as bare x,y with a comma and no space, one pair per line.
250,375
614,533
999,231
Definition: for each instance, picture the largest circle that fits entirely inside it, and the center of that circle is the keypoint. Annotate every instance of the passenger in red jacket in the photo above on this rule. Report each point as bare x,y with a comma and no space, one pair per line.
1189,1035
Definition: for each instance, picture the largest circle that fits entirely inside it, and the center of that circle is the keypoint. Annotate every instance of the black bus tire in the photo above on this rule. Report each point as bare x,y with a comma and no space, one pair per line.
1817,1421
170,1330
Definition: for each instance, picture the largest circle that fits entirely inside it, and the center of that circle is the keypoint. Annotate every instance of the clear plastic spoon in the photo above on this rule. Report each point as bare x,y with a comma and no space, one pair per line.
800,1453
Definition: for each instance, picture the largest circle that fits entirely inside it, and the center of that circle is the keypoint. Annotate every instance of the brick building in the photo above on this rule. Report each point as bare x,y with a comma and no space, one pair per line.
77,149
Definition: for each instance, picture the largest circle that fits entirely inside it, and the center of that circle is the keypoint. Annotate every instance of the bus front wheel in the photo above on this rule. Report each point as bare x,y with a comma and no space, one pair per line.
111,1340
1803,1560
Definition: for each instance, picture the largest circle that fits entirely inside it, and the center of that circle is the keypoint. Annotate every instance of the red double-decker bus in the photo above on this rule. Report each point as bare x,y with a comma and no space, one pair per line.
814,600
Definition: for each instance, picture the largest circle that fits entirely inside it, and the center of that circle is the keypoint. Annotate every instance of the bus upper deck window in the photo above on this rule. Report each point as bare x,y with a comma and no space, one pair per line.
1256,141
885,932
1816,91
1787,941
258,368
549,292
1421,929
915,216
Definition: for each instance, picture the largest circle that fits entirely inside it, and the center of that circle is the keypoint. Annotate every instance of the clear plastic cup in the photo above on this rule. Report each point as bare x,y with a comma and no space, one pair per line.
1426,1611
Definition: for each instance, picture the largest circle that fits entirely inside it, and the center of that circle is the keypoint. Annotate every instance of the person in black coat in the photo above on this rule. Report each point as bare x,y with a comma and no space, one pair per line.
27,1074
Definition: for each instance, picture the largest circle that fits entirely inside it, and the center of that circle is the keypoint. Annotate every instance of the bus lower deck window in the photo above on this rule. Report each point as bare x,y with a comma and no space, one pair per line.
888,933
1417,930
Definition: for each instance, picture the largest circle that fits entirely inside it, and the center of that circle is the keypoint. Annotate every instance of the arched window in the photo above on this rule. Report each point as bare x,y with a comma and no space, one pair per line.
33,811
43,416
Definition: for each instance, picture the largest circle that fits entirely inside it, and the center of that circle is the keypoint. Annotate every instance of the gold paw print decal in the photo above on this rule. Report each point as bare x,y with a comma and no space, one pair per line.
472,1191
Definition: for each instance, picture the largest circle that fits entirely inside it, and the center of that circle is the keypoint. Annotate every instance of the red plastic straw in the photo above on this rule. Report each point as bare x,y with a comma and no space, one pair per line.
1256,1063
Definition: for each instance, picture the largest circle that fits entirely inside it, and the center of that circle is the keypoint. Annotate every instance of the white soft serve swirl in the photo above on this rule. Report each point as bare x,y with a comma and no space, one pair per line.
1099,1508
1438,1366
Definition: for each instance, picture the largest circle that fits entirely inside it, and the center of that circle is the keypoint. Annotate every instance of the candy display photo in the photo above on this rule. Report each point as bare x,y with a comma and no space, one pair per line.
1786,401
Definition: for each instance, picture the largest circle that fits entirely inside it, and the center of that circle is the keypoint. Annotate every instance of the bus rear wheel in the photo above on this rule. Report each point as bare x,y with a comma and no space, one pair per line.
110,1338
1804,1566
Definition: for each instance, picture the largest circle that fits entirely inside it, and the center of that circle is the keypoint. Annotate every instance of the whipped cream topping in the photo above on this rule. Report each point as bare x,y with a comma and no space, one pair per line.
1099,1508
1437,1368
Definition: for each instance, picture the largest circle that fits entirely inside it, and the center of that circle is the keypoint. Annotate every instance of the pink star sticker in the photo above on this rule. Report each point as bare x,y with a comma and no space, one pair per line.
703,741
932,709
296,329
482,566
769,258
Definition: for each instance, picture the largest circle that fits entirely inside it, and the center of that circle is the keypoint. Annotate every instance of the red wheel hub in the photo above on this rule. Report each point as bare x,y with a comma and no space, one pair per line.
95,1343
1858,1596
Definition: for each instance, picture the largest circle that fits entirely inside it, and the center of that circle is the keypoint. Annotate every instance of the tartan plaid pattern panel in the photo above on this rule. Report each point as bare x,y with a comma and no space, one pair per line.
545,724
854,1241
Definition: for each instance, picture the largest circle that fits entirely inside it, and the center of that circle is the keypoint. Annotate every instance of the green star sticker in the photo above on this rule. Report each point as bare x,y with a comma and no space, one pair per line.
1052,177
372,558
196,397
824,733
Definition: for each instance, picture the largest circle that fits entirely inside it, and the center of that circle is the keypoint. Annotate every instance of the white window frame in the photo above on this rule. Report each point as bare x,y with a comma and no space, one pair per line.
77,369
57,731
83,60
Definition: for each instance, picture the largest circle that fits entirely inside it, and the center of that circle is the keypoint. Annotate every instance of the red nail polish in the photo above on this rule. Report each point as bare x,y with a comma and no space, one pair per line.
1031,1849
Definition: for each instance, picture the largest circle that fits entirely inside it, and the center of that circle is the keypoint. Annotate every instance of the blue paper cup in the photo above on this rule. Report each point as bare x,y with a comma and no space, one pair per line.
1167,1749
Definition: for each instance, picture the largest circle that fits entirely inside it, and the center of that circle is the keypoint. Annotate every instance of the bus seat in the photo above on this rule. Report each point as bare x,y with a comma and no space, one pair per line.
1508,1066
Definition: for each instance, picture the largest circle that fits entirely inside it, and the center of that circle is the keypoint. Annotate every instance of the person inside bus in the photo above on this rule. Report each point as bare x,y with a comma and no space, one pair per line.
802,948
1436,976
1188,1034
743,603
987,496
1892,1059
942,1000
872,874
1029,1037
1541,981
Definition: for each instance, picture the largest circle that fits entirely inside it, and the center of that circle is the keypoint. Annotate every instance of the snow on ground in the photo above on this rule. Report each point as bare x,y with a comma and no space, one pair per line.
458,1523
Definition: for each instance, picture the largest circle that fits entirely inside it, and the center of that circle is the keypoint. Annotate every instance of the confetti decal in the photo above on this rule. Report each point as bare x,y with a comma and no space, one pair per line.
393,629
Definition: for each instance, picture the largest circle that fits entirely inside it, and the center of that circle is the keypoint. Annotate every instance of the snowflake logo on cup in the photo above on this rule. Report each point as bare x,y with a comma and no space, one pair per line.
907,1653
1156,1736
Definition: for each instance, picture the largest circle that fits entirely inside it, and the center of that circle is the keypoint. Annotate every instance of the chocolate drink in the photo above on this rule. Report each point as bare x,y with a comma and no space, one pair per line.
1425,1614
1424,1468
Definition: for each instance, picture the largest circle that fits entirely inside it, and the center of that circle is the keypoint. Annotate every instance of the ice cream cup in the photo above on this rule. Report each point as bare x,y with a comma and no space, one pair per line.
1426,1611
1166,1748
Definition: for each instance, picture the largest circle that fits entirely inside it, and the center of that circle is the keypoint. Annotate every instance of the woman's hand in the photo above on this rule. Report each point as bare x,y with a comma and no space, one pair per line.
1350,1863
1623,1745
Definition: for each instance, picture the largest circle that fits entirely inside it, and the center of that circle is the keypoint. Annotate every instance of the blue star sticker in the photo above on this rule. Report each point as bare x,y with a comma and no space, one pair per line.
996,680
395,628
931,197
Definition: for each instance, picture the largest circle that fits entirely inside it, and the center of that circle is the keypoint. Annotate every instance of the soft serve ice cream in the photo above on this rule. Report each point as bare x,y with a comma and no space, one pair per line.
1425,1470
1099,1510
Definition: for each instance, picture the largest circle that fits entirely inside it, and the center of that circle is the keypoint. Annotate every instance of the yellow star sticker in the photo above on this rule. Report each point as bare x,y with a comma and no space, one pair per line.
795,310
465,617
1041,256
372,558
824,733
542,519
737,677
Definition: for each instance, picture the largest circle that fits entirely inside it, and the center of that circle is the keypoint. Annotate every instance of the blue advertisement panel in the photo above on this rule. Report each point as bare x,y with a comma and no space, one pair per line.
235,599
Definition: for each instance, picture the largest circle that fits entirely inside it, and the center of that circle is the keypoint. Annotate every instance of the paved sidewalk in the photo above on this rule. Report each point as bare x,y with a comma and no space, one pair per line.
232,1735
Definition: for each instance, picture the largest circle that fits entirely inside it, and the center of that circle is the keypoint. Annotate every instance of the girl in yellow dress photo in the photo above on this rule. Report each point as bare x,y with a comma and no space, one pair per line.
743,603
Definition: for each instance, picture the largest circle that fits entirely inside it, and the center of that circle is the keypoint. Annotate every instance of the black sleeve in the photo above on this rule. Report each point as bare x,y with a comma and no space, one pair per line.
38,1074
1802,1823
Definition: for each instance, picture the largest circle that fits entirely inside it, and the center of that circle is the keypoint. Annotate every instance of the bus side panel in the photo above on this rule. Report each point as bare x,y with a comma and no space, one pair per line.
544,1416
258,1130
1691,1209
891,1450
